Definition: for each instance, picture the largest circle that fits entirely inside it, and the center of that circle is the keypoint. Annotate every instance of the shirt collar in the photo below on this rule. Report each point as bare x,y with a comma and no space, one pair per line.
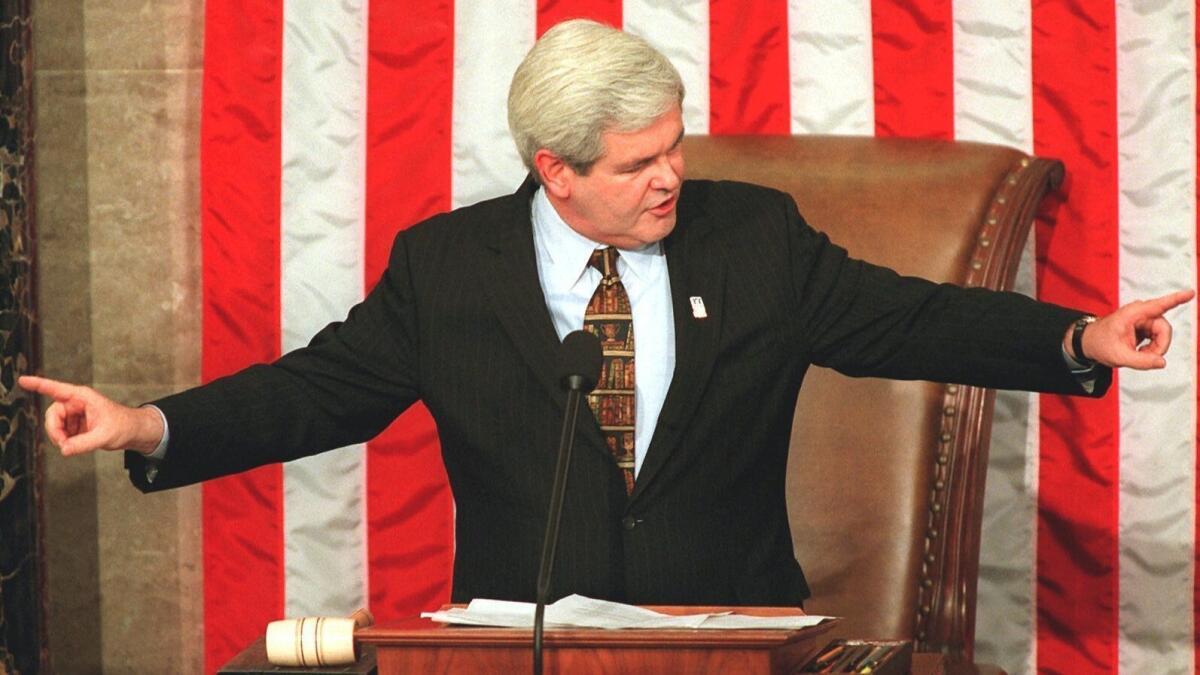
565,252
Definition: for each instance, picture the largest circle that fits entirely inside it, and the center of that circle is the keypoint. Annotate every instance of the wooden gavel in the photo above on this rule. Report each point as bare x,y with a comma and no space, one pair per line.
315,641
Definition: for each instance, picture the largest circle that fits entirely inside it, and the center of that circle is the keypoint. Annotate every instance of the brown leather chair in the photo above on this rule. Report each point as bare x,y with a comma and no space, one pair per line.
886,516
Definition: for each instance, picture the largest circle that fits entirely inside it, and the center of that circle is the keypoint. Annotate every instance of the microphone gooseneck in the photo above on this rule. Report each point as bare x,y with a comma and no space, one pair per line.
579,369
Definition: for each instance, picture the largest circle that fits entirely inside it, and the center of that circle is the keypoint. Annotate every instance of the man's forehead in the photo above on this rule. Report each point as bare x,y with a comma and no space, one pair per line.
665,130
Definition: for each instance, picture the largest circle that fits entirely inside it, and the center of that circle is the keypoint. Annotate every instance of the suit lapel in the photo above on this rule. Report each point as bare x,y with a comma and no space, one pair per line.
696,269
511,282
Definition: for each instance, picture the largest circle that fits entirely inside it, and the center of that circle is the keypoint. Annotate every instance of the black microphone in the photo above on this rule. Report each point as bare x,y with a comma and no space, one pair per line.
579,362
578,369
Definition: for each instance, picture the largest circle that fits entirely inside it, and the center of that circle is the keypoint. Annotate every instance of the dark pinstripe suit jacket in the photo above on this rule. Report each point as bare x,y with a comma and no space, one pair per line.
459,321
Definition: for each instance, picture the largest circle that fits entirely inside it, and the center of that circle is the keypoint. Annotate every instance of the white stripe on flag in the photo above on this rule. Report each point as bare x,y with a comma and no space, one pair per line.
993,75
1156,79
488,46
679,29
1006,615
829,54
993,103
322,150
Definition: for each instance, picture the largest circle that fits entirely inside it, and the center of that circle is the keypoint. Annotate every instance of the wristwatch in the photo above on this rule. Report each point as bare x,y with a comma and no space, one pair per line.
1077,339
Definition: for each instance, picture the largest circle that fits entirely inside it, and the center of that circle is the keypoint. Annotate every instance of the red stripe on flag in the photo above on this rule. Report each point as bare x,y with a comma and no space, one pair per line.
913,45
551,12
410,512
748,68
1075,119
240,173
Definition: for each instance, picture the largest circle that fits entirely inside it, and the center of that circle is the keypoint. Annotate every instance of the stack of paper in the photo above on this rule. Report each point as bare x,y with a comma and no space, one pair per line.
576,611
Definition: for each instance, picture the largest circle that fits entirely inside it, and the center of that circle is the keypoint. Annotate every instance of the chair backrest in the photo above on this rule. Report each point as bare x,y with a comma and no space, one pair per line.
886,514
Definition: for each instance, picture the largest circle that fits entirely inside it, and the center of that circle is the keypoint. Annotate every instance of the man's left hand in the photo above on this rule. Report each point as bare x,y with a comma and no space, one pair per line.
1134,336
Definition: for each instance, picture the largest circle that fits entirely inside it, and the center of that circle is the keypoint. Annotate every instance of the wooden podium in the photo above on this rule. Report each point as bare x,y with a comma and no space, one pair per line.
424,646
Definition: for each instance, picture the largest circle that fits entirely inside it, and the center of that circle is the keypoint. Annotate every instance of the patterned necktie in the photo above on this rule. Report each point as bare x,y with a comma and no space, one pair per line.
609,318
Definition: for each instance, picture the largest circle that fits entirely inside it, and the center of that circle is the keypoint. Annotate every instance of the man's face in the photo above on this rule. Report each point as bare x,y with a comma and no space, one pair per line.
628,199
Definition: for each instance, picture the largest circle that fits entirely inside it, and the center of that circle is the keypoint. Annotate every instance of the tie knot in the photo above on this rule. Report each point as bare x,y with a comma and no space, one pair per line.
605,260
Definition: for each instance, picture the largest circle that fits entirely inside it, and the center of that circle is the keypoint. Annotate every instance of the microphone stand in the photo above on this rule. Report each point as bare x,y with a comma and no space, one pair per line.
575,384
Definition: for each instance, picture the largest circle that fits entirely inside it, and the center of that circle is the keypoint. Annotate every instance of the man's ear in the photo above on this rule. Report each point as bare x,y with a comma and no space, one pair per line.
556,176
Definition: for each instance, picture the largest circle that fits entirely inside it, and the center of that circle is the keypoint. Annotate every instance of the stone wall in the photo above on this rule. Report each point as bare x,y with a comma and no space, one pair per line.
117,100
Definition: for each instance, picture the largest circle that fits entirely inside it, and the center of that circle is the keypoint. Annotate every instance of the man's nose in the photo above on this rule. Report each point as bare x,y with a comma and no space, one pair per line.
666,176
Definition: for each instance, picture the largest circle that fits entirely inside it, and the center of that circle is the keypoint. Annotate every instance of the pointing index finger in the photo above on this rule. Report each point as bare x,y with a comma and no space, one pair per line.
53,388
1165,303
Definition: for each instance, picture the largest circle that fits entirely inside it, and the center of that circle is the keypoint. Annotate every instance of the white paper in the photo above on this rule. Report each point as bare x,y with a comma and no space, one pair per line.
576,611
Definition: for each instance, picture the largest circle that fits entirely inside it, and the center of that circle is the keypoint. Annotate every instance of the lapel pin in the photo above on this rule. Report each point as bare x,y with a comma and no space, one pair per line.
698,310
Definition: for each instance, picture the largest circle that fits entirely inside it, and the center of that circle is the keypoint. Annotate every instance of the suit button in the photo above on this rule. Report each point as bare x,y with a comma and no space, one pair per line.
629,522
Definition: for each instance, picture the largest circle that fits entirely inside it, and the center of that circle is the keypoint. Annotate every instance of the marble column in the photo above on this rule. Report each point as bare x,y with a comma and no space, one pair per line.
22,615
117,101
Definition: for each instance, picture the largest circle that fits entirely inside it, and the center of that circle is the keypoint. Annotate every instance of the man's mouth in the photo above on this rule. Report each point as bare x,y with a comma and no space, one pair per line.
665,207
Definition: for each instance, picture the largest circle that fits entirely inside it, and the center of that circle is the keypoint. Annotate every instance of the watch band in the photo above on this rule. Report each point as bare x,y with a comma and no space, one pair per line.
1077,339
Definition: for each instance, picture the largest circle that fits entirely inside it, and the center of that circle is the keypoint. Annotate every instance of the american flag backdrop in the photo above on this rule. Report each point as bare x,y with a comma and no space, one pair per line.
328,126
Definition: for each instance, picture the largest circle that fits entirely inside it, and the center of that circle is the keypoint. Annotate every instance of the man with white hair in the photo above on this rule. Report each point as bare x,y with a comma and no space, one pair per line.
677,493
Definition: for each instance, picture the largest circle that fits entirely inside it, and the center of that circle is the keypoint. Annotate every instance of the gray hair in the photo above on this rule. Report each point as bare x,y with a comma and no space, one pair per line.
581,79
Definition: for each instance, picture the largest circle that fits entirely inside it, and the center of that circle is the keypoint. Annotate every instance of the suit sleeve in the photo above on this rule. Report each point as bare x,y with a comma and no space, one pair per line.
344,387
865,320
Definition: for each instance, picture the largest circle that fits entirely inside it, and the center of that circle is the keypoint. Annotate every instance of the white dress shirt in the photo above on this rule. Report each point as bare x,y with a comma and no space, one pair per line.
568,283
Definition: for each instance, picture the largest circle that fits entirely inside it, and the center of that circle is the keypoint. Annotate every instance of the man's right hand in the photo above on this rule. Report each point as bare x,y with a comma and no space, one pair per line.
82,420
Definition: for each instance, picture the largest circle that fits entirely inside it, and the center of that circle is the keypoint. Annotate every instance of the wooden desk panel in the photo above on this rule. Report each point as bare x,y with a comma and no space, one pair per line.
424,646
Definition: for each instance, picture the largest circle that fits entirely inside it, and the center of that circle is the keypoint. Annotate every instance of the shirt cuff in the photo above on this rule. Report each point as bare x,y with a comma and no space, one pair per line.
1083,373
160,450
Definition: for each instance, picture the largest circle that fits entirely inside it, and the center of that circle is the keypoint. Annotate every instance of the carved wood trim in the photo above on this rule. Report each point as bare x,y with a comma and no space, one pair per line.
945,610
